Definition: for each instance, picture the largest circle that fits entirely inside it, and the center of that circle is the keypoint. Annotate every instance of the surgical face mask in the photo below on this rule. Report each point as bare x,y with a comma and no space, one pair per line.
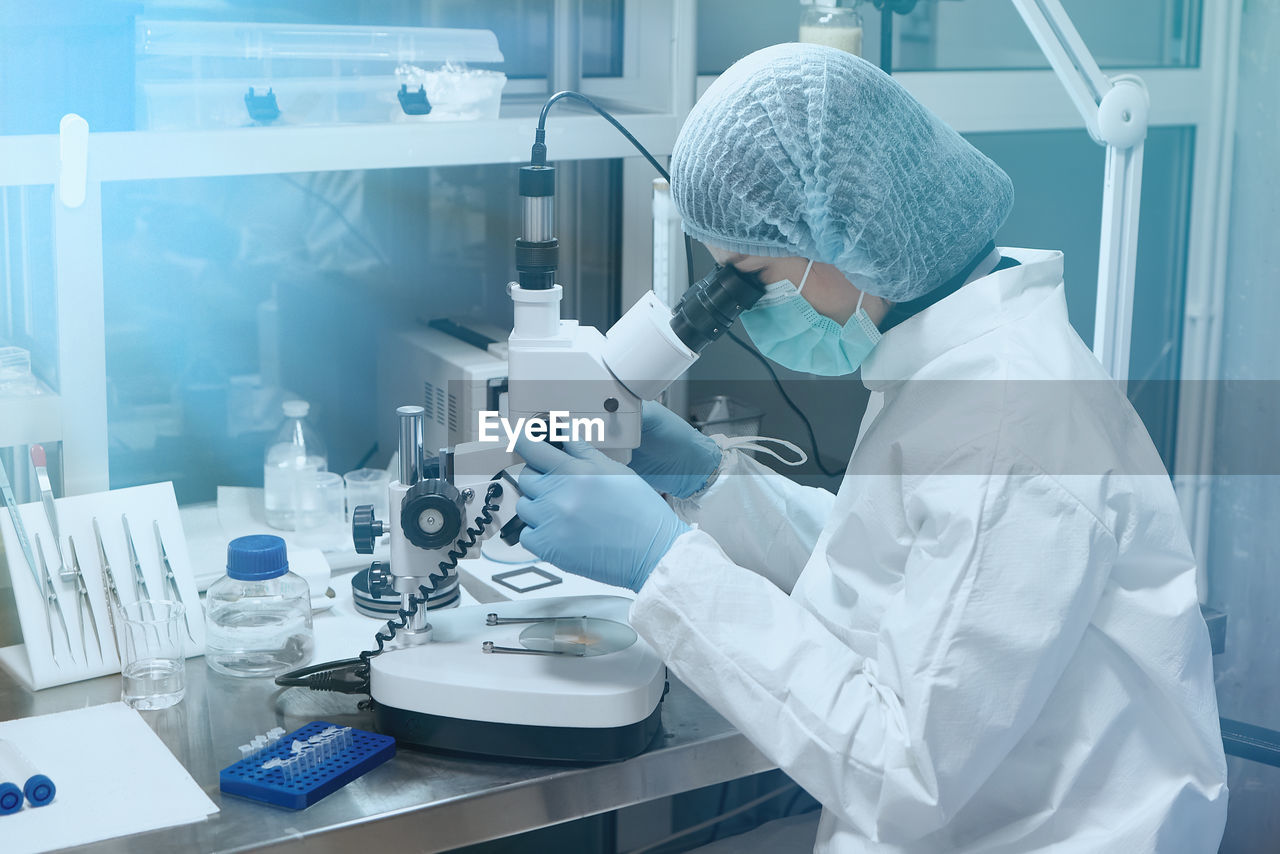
788,330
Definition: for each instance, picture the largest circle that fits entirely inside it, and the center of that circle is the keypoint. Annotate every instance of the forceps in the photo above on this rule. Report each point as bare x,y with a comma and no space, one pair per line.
139,579
171,581
51,598
83,604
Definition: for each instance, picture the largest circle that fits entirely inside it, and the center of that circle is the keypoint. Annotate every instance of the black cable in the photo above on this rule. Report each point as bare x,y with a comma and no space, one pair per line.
538,158
338,676
351,675
417,600
540,135
368,456
539,154
813,440
688,259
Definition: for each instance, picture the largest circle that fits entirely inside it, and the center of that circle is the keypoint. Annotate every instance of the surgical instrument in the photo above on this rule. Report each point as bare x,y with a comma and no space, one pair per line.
110,592
18,527
40,463
490,648
25,544
108,577
83,604
171,580
51,598
139,579
495,620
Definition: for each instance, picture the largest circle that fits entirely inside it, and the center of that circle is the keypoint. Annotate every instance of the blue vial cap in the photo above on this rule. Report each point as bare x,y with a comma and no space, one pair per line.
40,790
10,798
256,558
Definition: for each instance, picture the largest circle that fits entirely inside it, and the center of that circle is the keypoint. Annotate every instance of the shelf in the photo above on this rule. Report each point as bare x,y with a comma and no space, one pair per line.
142,155
30,419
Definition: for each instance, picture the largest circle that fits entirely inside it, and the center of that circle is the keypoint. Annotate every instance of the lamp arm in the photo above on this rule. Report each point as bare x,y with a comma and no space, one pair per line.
1116,112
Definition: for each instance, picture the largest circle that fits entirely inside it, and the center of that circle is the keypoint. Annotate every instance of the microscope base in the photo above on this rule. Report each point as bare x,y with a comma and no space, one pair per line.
477,687
518,741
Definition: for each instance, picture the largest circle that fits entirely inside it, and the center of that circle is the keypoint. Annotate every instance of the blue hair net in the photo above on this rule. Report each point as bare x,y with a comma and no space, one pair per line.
805,150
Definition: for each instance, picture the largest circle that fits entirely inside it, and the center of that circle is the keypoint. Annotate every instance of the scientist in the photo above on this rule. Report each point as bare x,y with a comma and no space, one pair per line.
989,639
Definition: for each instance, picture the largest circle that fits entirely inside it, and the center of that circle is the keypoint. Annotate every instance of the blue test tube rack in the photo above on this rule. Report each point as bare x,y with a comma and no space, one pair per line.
299,768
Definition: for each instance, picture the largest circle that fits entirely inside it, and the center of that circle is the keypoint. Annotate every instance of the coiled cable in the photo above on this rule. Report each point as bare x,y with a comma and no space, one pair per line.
351,675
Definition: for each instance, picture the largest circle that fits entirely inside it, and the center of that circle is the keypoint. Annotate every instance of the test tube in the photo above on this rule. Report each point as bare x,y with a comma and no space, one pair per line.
10,798
18,770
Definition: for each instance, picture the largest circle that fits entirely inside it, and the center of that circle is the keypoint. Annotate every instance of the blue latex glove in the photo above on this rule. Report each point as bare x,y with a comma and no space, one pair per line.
673,456
591,515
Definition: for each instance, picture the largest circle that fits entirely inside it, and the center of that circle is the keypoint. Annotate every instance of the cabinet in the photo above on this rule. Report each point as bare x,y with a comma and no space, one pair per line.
650,89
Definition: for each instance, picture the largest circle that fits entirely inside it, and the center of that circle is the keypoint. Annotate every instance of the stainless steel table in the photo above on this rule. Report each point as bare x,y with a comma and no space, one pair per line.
417,801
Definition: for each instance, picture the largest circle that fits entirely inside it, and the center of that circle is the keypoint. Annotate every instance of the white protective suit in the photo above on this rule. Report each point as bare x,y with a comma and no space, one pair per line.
989,640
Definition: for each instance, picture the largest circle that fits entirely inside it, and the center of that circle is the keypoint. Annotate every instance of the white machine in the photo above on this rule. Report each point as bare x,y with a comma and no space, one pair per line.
530,680
564,679
451,370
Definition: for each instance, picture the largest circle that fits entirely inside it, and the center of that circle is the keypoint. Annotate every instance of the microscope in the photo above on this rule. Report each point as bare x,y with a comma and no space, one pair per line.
460,681
450,499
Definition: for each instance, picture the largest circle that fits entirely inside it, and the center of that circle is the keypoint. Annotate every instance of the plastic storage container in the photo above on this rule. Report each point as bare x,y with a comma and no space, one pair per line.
258,619
289,471
455,93
16,379
200,75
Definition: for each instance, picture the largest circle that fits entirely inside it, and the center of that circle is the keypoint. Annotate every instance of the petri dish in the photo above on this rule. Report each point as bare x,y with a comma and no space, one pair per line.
578,636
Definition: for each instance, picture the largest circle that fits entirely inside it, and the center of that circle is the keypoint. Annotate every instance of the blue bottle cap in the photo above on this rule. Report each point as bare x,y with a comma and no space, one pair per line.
40,790
258,557
10,798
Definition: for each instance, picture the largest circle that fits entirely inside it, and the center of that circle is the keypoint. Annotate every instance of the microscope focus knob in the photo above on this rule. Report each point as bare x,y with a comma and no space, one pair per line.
379,579
431,514
365,530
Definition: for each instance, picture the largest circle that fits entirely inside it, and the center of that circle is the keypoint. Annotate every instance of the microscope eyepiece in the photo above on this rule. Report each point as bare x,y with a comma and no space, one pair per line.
711,306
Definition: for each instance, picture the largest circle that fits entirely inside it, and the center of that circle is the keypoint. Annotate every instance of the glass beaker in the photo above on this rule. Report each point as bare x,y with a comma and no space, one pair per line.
152,660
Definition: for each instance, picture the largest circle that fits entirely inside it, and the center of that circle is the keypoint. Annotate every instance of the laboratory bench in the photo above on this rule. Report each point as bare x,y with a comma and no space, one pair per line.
418,801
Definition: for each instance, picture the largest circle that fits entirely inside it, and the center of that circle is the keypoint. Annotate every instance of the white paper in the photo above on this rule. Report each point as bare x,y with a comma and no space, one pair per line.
113,775
96,656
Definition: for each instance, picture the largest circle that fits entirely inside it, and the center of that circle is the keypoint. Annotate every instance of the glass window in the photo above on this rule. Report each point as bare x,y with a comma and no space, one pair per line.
979,34
602,38
1061,208
223,294
28,302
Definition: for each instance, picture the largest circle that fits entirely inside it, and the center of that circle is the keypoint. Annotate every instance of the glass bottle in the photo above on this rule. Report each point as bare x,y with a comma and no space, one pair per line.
259,613
823,22
289,471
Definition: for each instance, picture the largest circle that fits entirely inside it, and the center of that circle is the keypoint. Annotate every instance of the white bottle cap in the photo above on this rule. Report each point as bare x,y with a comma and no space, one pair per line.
296,408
